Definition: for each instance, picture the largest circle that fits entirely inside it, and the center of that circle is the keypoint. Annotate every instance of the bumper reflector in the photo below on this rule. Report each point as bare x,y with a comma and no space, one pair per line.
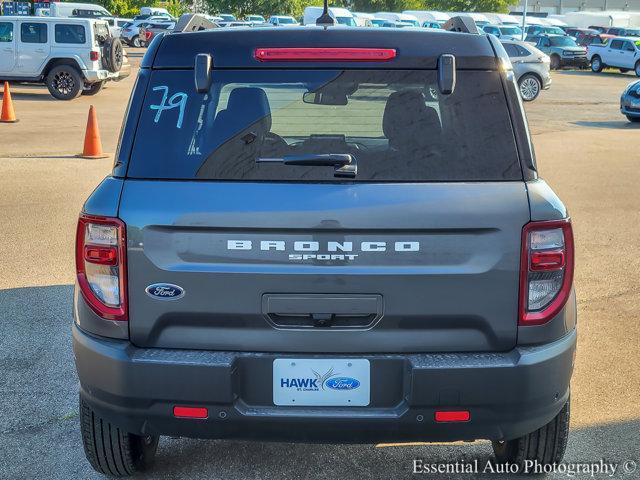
190,412
458,416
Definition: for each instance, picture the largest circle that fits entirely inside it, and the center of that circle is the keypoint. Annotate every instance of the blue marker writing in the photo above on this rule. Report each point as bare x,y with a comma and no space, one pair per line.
177,100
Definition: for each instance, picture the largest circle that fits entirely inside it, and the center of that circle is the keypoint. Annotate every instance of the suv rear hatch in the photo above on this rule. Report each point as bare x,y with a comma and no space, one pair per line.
419,252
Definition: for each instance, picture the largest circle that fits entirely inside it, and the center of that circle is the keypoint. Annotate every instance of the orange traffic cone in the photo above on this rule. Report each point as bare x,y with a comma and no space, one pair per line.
8,115
92,143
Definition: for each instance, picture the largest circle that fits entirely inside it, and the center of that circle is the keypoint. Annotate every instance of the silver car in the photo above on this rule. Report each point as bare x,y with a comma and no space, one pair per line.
531,67
630,102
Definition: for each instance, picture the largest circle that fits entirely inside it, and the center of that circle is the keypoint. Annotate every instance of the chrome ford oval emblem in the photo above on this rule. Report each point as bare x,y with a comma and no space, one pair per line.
165,291
343,383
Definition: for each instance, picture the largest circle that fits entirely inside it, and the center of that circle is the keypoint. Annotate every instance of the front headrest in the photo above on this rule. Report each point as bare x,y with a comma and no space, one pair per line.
408,119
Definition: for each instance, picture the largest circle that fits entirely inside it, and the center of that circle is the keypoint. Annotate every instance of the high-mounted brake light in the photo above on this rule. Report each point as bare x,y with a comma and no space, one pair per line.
101,265
324,54
546,270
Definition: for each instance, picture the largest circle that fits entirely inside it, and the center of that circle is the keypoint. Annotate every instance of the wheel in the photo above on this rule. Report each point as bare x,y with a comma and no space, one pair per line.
596,64
136,42
546,445
555,62
633,119
624,70
113,54
64,82
93,88
637,69
110,450
530,87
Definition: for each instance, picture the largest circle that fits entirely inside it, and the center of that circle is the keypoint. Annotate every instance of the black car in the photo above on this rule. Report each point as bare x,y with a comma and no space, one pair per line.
324,234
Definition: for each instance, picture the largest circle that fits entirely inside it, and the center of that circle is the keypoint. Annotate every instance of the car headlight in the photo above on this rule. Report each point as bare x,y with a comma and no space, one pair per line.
567,53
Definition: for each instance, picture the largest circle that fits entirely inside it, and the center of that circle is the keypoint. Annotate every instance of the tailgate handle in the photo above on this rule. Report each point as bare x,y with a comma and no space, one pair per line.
318,310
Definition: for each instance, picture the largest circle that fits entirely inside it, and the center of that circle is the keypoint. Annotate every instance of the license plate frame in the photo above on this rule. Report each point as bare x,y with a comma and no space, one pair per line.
313,382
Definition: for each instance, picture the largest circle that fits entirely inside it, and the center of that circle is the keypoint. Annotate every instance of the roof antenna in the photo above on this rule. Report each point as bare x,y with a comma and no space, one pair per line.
325,20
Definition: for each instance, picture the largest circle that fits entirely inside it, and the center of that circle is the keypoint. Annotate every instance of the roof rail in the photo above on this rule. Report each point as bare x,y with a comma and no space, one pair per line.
461,23
192,22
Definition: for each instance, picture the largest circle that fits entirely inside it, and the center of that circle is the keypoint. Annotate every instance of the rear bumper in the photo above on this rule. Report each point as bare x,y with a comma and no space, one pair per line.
93,76
508,394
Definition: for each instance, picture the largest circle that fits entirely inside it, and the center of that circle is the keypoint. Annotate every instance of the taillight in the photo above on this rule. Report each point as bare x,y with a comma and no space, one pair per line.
546,270
94,56
101,265
147,35
324,54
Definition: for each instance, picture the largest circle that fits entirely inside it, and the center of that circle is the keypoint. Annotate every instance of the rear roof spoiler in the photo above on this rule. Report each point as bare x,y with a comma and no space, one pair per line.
462,24
192,22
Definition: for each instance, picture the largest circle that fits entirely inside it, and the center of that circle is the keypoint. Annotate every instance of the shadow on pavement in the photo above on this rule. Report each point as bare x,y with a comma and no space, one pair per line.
622,124
39,432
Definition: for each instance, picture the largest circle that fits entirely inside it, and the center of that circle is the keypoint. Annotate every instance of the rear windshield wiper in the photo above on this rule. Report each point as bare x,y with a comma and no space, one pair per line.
344,163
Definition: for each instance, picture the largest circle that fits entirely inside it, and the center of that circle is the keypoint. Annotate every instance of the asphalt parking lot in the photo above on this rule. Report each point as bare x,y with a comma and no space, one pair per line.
586,150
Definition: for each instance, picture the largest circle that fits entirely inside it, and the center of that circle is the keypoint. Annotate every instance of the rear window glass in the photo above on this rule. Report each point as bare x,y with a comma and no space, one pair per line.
395,124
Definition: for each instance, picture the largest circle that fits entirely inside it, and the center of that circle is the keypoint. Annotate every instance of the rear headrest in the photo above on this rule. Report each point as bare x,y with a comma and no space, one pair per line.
409,120
246,107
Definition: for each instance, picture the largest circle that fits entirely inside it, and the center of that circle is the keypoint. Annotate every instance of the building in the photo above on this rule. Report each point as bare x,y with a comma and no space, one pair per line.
558,7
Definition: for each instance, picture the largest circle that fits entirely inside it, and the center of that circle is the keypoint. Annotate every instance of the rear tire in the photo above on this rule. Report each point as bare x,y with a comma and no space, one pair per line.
530,87
555,62
93,88
136,42
64,82
546,445
112,451
596,64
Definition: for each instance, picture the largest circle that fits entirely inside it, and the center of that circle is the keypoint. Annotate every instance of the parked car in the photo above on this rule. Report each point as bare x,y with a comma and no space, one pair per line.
578,32
586,39
623,32
432,24
71,56
150,29
531,68
562,49
598,28
619,52
131,33
378,22
630,102
504,32
392,24
340,16
409,20
254,19
282,21
536,30
325,245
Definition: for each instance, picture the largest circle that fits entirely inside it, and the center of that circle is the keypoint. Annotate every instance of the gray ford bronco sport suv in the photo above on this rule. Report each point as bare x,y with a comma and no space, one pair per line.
324,235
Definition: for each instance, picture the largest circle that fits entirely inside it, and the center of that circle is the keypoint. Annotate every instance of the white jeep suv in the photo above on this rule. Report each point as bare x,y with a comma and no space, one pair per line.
72,56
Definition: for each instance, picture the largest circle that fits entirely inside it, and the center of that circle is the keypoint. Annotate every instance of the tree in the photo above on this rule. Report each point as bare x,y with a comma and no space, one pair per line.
241,8
498,6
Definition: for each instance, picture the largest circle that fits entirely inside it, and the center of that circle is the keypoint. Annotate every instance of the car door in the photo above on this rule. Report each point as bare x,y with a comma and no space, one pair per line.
7,48
628,54
613,53
34,47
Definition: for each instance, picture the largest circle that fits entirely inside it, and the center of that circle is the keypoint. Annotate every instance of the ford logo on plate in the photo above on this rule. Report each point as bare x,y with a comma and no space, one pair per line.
164,291
343,383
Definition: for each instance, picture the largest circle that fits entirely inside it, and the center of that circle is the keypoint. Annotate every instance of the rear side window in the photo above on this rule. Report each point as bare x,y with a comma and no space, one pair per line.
6,32
616,44
74,34
33,33
396,124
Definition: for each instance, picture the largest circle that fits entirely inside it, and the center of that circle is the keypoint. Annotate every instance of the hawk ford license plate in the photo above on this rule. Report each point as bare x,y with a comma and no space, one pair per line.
321,382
